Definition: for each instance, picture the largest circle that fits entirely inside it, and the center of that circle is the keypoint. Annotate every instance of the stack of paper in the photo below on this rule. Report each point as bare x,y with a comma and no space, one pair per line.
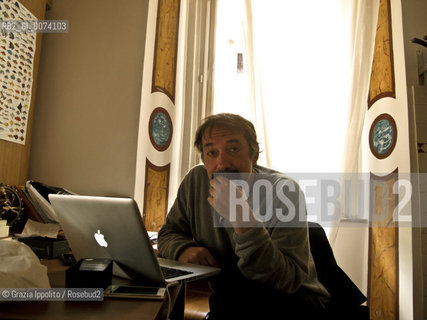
4,229
41,204
37,193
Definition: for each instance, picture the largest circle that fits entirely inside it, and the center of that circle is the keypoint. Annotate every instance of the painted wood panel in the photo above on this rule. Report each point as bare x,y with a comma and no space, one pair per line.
383,291
165,56
382,83
155,195
14,158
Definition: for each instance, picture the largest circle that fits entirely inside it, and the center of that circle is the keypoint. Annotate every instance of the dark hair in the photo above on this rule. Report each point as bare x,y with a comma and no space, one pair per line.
228,120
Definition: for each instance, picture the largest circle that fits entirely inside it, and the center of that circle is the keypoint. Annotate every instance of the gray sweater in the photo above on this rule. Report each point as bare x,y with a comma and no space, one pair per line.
273,254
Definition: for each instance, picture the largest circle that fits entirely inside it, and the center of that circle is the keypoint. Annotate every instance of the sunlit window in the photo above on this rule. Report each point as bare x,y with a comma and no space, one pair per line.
295,82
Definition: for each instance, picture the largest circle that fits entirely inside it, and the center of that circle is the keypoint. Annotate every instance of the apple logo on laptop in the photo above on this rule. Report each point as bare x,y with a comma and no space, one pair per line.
99,237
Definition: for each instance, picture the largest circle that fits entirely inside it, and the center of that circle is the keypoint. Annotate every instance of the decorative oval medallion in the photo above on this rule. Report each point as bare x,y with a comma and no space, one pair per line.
160,129
383,136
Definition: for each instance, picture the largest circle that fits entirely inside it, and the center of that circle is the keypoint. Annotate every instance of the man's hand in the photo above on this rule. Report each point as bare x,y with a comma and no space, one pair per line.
198,255
237,212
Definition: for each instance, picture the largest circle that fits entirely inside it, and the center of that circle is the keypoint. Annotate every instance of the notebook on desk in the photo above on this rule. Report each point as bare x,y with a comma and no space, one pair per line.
107,227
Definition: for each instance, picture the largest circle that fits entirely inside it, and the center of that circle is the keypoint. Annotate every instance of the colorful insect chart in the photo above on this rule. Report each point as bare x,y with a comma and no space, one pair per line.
17,50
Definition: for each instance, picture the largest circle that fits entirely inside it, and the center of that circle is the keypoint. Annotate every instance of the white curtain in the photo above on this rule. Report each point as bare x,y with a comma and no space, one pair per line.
294,81
301,56
364,15
353,255
238,89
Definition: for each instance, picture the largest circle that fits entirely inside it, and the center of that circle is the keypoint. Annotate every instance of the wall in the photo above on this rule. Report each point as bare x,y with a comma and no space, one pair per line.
419,95
415,25
87,109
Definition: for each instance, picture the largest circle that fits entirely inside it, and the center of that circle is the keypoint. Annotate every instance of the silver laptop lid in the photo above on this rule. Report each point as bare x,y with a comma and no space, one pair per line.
107,227
104,227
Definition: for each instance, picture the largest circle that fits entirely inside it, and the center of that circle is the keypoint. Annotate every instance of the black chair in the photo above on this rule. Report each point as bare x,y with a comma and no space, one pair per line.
346,298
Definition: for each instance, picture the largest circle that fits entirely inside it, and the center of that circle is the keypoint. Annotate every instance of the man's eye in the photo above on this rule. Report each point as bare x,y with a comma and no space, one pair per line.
210,153
234,149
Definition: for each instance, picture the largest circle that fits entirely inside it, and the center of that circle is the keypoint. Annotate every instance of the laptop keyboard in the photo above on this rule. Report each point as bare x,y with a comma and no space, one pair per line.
169,273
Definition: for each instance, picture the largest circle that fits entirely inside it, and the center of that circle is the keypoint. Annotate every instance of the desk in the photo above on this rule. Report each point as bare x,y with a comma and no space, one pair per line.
110,308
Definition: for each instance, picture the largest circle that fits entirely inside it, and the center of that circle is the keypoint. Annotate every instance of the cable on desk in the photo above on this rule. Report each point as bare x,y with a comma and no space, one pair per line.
169,300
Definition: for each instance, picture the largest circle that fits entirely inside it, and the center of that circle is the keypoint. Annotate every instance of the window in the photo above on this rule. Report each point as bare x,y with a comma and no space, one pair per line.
285,65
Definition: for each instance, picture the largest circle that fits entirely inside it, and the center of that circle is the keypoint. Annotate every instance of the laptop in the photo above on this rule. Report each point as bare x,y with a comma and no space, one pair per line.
112,228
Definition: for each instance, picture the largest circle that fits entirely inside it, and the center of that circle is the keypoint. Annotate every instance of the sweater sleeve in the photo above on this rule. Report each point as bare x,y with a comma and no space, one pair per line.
277,255
176,234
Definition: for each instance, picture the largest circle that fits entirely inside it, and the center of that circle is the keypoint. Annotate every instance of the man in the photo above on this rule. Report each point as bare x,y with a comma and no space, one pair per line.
267,268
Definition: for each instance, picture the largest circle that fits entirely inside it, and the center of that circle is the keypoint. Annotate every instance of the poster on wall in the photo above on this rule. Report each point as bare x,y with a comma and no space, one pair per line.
17,49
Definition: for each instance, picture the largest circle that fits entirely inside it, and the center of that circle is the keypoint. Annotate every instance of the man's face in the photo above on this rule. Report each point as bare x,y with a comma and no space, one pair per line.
226,150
